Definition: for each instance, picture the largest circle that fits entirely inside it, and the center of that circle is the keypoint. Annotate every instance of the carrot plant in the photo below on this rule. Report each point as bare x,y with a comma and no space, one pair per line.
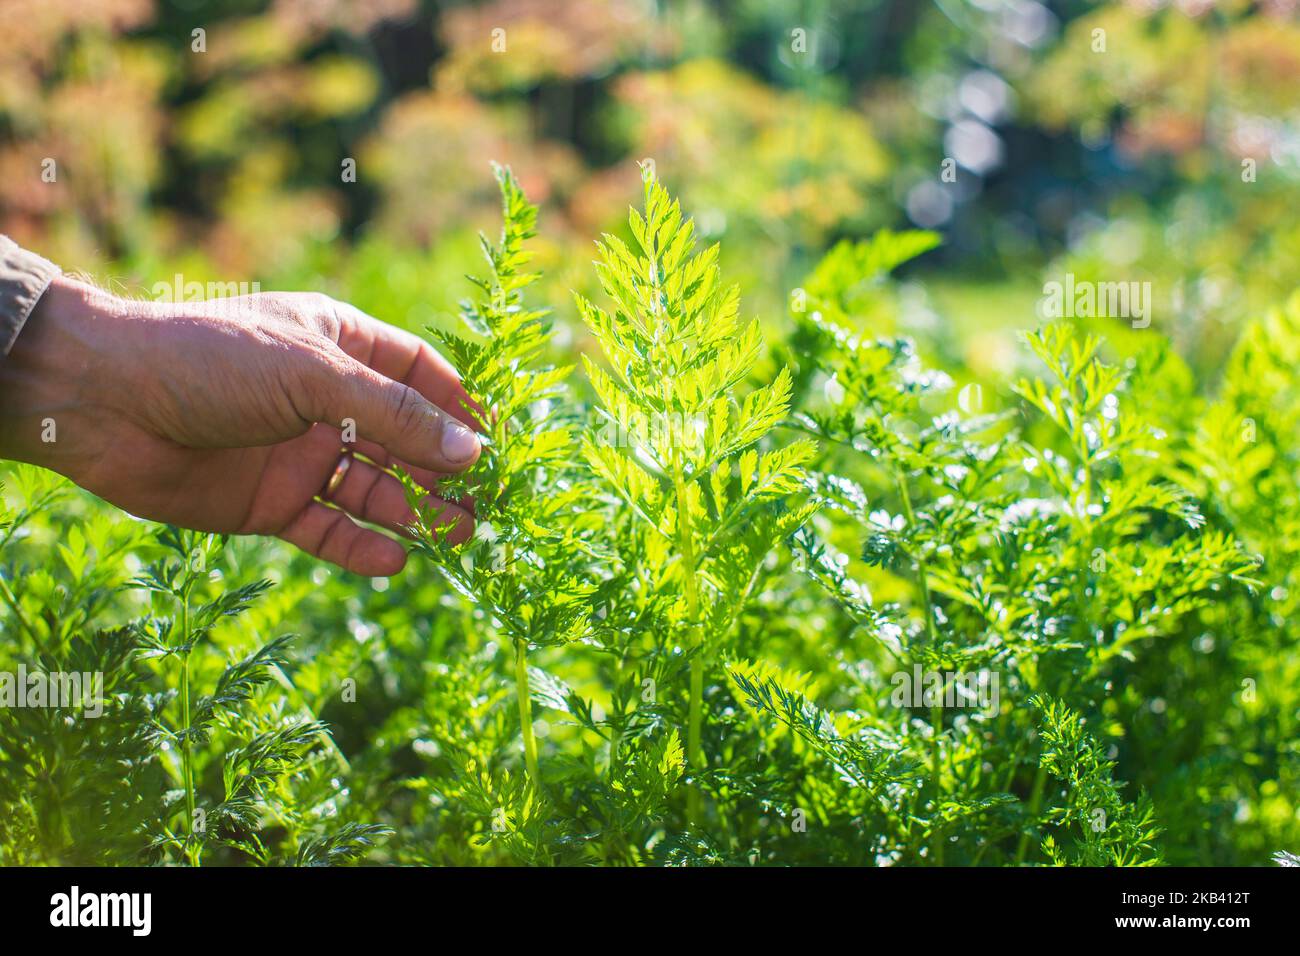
517,560
182,755
727,599
678,445
659,529
527,564
1034,554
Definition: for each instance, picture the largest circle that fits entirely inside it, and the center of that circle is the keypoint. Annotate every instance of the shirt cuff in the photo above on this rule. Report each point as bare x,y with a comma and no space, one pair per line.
24,277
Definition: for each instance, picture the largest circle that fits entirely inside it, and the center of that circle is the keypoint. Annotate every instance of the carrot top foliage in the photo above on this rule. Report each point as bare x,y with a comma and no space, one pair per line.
728,600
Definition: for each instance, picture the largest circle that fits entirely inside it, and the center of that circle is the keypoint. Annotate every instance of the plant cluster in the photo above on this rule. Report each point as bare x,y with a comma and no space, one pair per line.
727,601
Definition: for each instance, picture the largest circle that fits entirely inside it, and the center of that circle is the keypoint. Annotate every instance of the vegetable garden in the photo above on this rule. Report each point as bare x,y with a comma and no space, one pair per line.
778,559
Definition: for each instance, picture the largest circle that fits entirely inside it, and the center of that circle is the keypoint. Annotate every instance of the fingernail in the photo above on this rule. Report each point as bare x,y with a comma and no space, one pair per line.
458,442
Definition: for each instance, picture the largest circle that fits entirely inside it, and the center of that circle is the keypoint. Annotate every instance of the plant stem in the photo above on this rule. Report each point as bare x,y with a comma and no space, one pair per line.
936,711
526,712
187,757
696,722
921,572
615,735
686,543
936,831
523,694
695,715
1035,800
11,600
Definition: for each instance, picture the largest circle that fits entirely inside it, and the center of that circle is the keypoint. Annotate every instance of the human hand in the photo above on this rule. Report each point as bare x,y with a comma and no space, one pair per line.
227,415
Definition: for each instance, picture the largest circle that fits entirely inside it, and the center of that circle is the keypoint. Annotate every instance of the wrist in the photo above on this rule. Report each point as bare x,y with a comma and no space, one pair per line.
57,381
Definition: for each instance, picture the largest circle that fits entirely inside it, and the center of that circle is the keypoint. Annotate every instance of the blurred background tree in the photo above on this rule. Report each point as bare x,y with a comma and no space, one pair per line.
215,138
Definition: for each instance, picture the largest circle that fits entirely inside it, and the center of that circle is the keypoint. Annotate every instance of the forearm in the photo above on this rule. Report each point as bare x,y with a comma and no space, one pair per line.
53,376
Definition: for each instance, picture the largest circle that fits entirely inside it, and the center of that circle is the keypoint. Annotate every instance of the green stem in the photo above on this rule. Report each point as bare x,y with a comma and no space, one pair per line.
922,573
936,831
526,712
936,712
523,693
615,736
1035,802
187,756
696,724
695,714
12,600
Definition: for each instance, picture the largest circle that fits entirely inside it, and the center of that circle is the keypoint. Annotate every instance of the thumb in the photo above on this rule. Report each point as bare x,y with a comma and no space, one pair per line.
396,416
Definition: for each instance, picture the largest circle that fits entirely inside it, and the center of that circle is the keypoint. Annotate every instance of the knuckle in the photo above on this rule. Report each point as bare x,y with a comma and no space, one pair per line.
318,366
277,304
410,410
318,303
324,315
314,311
329,541
314,379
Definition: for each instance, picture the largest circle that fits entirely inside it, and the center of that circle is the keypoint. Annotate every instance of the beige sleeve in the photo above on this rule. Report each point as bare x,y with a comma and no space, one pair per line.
24,277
